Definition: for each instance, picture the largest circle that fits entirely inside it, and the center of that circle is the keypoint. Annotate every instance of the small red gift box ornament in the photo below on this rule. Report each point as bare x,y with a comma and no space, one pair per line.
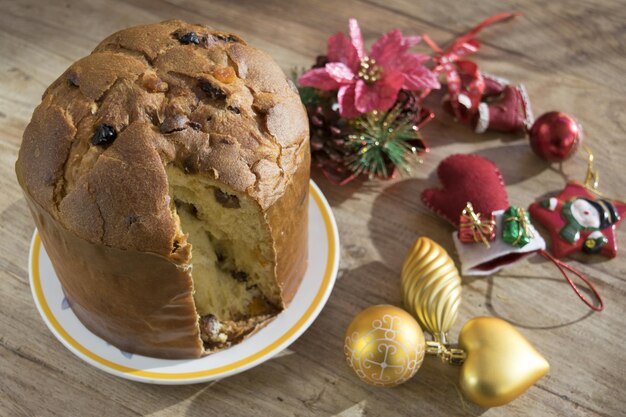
476,227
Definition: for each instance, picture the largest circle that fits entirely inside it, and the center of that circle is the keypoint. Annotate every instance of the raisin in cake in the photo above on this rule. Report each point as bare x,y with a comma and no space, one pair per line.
168,175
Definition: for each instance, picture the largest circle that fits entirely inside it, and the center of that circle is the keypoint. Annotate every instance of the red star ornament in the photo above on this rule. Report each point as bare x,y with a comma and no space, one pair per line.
577,220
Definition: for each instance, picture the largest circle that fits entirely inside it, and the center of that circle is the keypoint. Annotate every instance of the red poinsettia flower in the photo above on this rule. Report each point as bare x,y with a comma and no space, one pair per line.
368,82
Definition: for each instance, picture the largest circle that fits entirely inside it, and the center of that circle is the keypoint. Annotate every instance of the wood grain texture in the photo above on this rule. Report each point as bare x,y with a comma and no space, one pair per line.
570,55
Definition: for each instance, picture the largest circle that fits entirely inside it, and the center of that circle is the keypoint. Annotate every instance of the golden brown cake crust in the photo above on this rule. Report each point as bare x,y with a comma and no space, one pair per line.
101,279
208,103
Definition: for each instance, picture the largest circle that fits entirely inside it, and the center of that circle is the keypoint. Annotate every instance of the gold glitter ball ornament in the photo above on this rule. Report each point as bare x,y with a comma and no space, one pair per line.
384,345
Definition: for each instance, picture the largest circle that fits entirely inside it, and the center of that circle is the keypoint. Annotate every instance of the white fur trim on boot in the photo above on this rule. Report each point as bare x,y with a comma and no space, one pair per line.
483,118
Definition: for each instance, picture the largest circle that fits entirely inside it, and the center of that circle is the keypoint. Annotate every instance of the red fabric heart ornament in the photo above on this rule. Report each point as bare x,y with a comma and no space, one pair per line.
466,178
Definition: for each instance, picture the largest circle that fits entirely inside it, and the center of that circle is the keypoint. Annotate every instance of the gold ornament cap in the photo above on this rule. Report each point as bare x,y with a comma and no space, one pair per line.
384,345
500,364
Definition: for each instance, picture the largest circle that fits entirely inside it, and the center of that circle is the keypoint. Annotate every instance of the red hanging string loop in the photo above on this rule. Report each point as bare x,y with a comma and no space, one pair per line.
563,267
450,62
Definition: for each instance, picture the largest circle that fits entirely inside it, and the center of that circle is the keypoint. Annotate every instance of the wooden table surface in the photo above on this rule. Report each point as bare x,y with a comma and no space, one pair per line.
571,57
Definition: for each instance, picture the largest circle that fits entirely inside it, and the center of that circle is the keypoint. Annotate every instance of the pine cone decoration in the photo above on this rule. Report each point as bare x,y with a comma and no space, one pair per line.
413,110
328,140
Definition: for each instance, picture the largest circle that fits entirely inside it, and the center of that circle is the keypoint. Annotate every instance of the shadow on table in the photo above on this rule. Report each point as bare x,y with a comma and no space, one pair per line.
313,378
337,194
399,217
551,321
516,161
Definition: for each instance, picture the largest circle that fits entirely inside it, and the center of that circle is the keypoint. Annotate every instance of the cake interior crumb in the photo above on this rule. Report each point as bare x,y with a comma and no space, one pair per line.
232,261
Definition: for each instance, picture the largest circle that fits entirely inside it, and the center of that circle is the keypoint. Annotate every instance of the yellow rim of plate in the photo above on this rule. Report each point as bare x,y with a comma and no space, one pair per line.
208,372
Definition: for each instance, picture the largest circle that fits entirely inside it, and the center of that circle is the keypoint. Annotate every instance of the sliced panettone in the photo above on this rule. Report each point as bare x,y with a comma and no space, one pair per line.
167,173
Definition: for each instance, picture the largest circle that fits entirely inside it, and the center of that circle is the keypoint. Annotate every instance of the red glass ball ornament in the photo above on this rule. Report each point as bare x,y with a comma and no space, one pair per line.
555,136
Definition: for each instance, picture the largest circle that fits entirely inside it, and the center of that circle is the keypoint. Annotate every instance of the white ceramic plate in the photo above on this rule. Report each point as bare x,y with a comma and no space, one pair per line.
267,342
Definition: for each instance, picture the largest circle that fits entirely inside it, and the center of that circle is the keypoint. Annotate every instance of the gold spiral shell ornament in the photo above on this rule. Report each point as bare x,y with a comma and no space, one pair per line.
431,287
385,346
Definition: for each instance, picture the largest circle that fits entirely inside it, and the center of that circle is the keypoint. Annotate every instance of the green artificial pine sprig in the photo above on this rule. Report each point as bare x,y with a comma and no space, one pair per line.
383,140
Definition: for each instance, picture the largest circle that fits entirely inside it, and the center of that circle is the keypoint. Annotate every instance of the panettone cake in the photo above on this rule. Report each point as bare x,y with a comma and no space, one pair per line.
168,175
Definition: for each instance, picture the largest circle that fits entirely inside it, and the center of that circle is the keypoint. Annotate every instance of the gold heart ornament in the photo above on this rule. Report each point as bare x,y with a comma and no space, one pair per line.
500,364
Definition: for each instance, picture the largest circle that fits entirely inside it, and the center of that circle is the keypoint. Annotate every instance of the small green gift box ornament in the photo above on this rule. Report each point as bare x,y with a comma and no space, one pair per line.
516,227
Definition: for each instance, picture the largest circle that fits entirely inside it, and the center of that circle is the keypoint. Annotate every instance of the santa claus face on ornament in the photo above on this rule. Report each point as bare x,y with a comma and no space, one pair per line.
585,214
579,220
